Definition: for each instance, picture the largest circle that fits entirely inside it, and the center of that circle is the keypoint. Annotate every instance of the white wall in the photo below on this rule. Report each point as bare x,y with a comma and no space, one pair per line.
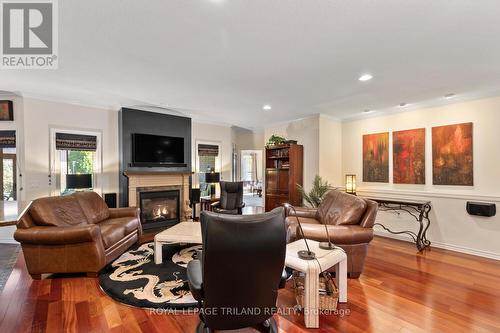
306,132
39,116
217,133
330,151
451,226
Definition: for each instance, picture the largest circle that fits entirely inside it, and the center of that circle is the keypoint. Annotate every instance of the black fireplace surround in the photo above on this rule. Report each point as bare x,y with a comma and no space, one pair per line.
159,209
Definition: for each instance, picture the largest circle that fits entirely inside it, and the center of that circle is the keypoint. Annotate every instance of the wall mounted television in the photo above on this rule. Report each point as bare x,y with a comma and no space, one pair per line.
156,150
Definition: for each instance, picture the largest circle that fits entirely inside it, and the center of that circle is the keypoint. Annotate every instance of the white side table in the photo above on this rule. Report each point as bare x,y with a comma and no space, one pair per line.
312,268
184,232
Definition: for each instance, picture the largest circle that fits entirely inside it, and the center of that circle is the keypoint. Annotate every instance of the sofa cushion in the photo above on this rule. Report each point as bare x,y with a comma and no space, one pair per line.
113,230
93,206
339,208
57,211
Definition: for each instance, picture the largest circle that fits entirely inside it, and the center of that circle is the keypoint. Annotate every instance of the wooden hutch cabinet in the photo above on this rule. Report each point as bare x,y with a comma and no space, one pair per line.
283,173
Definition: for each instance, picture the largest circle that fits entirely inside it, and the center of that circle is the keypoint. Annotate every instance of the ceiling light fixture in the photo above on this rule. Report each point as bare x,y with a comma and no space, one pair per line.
449,96
402,105
365,77
267,107
368,111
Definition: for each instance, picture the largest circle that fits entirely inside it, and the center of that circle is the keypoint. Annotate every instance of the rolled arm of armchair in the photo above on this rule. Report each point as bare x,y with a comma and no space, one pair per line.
368,219
302,212
124,212
44,235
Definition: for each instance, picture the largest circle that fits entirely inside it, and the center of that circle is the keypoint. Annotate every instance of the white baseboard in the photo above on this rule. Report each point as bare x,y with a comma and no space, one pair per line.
444,246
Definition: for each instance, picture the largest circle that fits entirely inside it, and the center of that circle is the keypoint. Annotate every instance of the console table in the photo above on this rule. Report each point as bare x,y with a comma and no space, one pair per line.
419,210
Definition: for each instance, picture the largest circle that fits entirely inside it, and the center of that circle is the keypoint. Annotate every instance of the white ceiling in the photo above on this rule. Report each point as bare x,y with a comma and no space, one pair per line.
222,60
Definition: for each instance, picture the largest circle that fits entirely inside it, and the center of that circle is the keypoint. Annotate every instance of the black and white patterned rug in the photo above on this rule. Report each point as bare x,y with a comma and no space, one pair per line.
135,279
8,258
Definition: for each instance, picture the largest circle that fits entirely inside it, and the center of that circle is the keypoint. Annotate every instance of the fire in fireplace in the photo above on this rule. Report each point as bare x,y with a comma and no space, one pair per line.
159,208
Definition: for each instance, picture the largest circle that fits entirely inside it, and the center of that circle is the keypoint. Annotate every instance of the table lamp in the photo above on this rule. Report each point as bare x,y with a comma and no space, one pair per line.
350,184
303,254
212,178
80,181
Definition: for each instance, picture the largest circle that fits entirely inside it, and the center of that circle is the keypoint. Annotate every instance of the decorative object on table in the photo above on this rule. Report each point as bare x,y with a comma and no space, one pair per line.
80,181
328,291
290,142
303,254
194,198
417,209
376,157
275,140
212,178
452,155
135,279
231,199
6,111
409,156
284,169
350,184
319,189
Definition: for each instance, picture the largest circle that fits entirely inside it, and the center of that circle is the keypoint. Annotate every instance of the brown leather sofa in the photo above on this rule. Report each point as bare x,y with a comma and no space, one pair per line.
75,233
349,220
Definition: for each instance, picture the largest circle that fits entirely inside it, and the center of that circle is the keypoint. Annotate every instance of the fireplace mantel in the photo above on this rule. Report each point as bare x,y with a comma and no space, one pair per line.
142,179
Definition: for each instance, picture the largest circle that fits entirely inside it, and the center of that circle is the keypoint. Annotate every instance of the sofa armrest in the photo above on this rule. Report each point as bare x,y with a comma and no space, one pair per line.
302,212
124,212
195,279
368,219
44,235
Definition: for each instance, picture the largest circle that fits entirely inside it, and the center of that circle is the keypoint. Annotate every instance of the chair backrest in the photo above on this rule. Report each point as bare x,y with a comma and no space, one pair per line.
231,195
339,208
243,259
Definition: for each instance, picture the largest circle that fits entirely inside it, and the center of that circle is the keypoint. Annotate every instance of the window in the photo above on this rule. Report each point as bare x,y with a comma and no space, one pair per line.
8,165
75,153
208,158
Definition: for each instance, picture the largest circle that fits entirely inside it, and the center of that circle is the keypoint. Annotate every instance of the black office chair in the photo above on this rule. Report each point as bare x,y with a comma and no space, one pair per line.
231,198
237,278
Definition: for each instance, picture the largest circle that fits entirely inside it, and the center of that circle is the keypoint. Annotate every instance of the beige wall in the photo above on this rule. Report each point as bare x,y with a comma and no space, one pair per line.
40,116
330,150
306,132
451,226
216,133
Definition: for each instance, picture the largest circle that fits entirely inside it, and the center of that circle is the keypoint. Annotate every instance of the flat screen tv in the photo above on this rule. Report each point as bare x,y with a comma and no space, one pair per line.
156,150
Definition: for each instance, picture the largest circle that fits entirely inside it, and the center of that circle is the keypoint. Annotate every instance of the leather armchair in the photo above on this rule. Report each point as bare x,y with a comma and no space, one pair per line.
349,220
240,270
76,233
231,198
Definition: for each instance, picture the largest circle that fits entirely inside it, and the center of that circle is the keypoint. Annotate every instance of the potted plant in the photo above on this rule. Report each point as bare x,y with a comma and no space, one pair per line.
319,189
275,140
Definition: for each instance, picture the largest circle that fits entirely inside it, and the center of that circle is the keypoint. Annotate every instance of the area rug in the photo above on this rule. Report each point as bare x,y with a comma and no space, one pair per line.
8,257
135,279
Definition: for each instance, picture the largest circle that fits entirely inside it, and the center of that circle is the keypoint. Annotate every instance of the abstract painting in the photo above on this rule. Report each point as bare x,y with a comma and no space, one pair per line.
409,156
452,159
376,157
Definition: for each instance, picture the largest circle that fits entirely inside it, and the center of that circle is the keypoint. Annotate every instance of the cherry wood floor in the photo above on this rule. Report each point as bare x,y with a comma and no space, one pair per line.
400,291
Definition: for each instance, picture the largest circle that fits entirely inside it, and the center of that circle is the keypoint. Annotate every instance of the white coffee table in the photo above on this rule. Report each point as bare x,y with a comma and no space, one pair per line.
312,268
183,232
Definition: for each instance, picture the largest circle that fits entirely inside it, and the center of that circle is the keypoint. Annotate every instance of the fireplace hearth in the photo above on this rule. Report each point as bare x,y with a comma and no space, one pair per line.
159,209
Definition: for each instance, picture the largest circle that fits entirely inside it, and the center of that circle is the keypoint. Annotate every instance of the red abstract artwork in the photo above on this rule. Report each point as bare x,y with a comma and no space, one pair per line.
409,156
376,157
452,159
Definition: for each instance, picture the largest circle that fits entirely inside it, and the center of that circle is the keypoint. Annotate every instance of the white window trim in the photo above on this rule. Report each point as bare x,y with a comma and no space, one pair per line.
54,174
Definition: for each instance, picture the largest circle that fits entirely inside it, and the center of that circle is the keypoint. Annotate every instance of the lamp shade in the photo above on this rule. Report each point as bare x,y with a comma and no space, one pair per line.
79,181
350,184
212,177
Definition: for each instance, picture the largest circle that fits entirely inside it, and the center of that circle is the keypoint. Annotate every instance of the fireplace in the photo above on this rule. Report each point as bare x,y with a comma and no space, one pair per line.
159,209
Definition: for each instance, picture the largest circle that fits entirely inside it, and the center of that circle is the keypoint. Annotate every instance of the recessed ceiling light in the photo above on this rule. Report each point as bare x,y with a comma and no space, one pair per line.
449,96
267,107
365,77
368,111
402,105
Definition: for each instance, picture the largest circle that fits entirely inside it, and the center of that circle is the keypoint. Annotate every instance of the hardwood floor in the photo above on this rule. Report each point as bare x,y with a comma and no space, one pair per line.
400,291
